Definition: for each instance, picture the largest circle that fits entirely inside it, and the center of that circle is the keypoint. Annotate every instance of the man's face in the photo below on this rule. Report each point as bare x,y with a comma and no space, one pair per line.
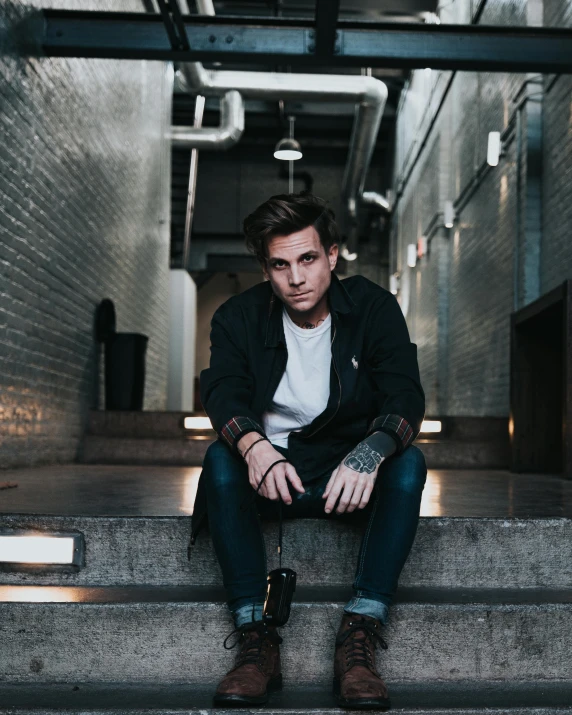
297,263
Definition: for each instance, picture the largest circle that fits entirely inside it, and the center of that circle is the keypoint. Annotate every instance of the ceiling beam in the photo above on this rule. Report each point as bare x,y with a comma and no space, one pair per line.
407,45
327,12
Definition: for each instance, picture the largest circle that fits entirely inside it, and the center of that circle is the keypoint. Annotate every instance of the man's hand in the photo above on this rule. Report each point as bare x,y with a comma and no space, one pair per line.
355,477
275,486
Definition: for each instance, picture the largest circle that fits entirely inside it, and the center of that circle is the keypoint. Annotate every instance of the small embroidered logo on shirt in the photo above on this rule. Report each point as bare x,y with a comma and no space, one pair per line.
354,362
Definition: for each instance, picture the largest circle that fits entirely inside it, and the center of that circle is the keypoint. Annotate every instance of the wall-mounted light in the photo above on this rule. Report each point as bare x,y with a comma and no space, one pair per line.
288,149
448,214
344,253
494,149
394,283
421,246
411,255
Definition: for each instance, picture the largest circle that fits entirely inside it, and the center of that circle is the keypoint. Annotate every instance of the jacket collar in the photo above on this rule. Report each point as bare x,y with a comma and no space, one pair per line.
339,300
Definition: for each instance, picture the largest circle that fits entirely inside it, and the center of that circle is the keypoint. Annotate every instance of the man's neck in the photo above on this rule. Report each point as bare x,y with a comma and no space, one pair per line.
310,319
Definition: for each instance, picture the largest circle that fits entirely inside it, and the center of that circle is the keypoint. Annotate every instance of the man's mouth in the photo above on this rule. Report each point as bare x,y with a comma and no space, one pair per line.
299,295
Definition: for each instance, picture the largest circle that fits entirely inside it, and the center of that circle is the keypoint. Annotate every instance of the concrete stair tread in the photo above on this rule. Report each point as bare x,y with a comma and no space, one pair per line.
303,595
438,696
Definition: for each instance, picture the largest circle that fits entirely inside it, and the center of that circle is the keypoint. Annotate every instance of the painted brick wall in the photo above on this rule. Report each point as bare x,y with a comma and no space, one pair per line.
84,197
556,252
458,298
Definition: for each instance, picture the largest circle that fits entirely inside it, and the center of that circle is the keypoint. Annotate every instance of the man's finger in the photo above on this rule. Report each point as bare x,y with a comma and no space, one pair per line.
334,494
282,487
329,484
293,477
271,491
365,496
357,495
346,496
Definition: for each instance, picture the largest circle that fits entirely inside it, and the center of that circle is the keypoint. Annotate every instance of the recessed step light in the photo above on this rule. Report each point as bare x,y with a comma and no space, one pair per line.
33,548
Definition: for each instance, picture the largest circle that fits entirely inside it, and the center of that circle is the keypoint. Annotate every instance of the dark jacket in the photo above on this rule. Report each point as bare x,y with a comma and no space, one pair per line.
374,375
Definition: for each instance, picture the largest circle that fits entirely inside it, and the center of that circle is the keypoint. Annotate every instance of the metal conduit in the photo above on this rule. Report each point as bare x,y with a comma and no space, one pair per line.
220,138
369,95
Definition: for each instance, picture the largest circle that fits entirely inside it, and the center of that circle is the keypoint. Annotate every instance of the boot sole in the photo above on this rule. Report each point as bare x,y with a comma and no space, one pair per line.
237,701
360,703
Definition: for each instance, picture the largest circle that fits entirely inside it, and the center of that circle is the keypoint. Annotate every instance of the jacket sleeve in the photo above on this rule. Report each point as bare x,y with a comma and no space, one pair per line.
392,361
226,386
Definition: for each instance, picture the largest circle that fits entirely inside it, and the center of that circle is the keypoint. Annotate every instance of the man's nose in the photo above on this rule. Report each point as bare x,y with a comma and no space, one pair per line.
296,277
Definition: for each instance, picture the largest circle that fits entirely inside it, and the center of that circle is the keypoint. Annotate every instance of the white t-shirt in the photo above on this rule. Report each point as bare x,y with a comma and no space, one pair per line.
304,389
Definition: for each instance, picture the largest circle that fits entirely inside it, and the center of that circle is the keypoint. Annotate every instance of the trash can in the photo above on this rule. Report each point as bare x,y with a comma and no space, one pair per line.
125,371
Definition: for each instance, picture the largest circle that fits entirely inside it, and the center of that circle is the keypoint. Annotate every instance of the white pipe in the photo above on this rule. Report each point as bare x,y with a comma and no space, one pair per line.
369,95
220,138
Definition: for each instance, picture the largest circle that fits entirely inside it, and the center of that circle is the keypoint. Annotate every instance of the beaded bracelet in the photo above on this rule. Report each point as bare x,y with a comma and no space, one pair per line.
252,445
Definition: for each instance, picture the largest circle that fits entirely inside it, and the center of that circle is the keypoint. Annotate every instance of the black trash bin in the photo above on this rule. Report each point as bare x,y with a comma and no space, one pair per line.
125,371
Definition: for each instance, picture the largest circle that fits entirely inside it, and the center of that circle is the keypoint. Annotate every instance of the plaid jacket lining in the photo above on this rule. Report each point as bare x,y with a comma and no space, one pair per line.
395,424
236,427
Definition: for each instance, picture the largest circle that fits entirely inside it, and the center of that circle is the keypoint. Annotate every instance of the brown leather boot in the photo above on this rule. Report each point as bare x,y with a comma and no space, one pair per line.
356,681
257,667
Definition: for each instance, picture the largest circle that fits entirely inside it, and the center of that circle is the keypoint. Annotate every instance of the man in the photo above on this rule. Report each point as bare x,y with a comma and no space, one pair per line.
321,373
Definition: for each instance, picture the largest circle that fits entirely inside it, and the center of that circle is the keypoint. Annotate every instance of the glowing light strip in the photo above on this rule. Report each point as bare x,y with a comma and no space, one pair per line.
36,549
197,423
431,426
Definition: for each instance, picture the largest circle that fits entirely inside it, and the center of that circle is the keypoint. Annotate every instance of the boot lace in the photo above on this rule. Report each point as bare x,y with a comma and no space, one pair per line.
254,639
359,650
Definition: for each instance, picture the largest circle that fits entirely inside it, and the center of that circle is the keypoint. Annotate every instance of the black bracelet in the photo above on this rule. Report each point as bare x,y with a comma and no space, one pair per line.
252,445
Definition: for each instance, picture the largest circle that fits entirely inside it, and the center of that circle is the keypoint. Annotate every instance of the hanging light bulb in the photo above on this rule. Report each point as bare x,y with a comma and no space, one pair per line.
288,149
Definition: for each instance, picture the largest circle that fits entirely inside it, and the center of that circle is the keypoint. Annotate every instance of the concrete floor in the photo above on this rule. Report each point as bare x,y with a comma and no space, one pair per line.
101,490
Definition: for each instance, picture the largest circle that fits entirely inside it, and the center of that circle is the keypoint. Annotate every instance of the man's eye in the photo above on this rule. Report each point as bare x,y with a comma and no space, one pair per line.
310,257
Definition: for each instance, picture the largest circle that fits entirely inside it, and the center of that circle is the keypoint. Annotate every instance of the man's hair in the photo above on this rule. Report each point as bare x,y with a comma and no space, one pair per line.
284,214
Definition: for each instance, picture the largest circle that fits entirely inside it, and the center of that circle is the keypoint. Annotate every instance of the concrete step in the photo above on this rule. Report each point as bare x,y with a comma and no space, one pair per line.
448,551
176,636
439,698
184,451
142,424
160,438
190,451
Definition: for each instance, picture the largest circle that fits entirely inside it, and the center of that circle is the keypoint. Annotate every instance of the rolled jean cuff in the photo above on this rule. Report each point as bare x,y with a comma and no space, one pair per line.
368,607
247,613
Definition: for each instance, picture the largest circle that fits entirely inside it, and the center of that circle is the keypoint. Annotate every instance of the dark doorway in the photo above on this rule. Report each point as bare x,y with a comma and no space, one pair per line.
540,390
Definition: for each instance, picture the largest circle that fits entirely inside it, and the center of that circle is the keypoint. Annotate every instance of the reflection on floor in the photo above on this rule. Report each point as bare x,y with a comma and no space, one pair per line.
77,489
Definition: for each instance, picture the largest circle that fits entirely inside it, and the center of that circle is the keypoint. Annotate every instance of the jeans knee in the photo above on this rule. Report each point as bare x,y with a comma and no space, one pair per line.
409,470
221,468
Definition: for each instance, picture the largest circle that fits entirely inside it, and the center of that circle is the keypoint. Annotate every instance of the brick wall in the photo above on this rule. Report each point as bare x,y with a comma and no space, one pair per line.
84,197
556,252
459,297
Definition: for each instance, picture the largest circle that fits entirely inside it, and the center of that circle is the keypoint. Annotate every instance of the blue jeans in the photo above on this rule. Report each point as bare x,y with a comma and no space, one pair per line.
391,519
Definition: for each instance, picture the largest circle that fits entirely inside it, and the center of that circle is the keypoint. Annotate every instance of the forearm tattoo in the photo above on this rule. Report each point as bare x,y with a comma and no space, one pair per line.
363,459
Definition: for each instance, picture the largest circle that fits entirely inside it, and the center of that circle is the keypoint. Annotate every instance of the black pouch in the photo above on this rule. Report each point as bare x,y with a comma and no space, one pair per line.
281,587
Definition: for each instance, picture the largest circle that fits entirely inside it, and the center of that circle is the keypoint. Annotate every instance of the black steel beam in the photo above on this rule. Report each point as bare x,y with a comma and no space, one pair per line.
452,47
327,12
174,25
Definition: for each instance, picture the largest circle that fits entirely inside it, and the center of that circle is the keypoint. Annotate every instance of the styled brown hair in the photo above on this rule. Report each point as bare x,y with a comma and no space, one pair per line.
284,214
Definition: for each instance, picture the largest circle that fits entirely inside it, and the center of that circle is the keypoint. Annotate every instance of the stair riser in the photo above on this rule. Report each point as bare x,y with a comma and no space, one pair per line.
98,449
455,552
183,642
109,450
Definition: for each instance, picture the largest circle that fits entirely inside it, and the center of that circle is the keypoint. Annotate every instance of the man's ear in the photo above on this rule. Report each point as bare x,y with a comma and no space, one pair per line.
333,256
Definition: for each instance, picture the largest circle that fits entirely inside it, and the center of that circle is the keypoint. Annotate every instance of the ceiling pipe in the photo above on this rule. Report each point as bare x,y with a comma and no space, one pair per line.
367,93
226,135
